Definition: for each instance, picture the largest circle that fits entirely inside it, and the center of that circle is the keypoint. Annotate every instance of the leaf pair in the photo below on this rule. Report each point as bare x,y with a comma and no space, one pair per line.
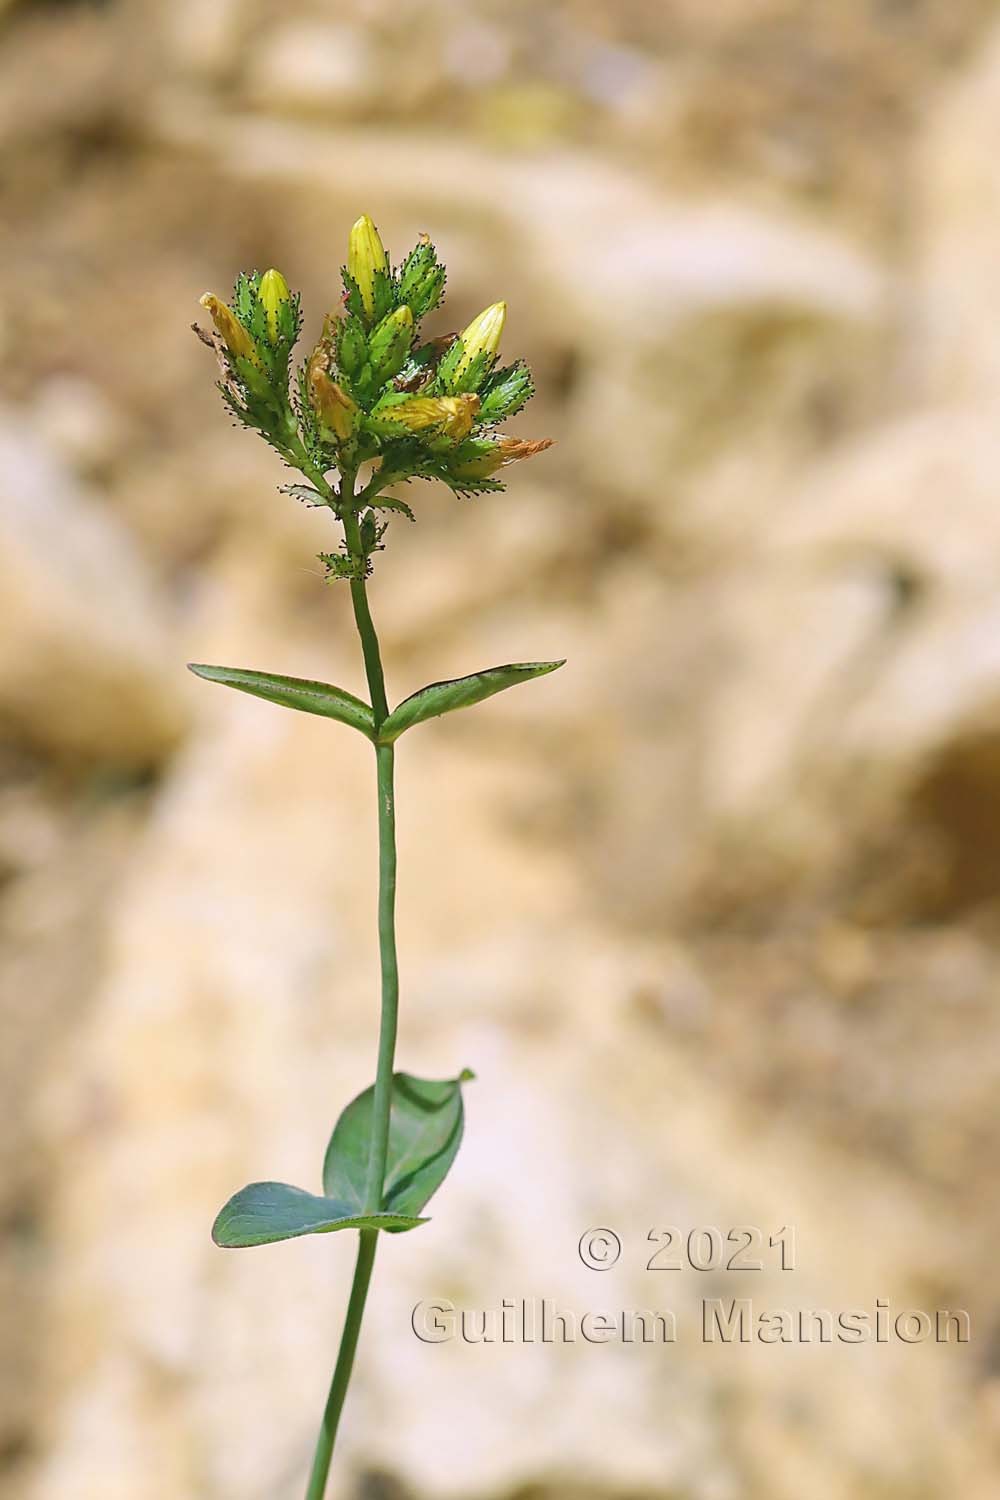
334,703
425,1131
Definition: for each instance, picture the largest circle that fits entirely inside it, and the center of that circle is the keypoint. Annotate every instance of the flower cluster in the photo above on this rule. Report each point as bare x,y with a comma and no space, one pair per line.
371,392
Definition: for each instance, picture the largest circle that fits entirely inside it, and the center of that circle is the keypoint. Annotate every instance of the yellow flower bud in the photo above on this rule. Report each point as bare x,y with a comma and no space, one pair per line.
451,415
331,403
482,335
230,329
365,258
461,413
504,451
273,294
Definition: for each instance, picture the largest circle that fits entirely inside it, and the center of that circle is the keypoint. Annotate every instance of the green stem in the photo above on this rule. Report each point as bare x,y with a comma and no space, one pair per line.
364,622
344,1365
379,1145
379,1148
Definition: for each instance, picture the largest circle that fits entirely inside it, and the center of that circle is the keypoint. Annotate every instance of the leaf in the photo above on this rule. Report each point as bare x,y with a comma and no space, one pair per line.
385,502
425,1131
443,697
294,692
304,492
268,1211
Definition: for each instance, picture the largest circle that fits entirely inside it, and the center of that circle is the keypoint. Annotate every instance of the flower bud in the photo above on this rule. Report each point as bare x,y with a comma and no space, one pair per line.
482,336
496,454
451,416
390,344
331,403
352,350
230,329
365,258
422,278
274,296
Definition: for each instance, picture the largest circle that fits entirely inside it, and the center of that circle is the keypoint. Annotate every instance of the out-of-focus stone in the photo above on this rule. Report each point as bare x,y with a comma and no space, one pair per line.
205,36
85,661
706,332
843,656
77,421
954,339
311,65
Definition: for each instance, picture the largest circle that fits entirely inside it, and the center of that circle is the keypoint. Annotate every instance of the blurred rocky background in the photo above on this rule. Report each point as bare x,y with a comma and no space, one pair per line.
714,913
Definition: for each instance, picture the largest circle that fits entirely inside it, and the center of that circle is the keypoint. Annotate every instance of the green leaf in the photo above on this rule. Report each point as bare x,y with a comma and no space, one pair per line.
303,492
268,1211
425,1131
386,502
443,697
294,692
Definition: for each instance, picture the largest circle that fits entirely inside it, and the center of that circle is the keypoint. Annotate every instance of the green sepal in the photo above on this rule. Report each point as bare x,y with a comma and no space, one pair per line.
352,297
421,280
379,420
265,1212
426,1122
294,692
449,363
384,294
364,387
244,299
351,346
505,393
388,348
459,692
290,319
449,382
255,380
383,297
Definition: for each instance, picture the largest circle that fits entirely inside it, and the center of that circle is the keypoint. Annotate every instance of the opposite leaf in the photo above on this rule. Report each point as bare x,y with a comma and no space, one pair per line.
268,1211
459,692
425,1131
294,692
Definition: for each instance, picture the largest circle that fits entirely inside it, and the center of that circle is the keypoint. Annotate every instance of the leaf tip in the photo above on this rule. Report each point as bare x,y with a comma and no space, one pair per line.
466,1076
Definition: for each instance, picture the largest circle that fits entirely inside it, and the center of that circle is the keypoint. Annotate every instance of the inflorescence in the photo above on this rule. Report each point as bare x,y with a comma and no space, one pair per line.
371,392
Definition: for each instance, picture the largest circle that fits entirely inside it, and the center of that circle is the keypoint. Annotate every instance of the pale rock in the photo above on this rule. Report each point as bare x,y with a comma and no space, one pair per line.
847,648
907,514
312,65
954,339
204,36
85,654
476,53
77,421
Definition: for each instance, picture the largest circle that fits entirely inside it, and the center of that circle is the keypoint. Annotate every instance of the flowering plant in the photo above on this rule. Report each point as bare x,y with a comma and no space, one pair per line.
371,408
